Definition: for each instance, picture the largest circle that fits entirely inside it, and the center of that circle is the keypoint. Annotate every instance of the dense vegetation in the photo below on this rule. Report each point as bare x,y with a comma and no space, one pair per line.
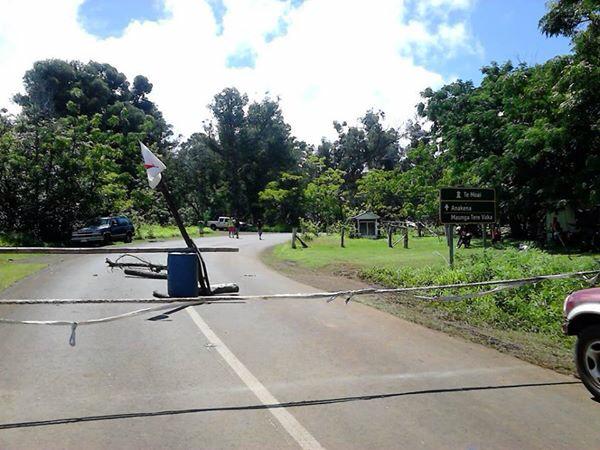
531,132
535,308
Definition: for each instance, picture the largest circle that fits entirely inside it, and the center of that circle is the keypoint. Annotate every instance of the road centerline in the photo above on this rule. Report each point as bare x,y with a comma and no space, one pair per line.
294,428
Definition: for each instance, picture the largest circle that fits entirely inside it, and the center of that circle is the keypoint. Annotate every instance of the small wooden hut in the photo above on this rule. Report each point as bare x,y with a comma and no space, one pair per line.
367,224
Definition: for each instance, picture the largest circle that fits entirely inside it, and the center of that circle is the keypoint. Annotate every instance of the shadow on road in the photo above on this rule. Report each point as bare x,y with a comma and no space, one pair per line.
326,401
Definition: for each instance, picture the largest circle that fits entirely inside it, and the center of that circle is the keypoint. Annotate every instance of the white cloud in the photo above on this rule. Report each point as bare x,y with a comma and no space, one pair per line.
337,58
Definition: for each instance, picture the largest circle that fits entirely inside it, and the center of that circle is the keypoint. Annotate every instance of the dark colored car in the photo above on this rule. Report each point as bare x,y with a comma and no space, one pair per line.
582,319
105,230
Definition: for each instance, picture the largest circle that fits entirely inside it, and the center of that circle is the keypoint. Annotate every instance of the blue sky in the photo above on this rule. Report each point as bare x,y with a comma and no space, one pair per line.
327,60
505,29
109,18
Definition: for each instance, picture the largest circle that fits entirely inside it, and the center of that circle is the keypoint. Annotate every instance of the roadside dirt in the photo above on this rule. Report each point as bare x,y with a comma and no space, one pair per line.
538,349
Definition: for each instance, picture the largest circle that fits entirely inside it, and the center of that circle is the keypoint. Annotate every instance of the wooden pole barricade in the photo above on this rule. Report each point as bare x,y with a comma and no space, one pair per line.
107,250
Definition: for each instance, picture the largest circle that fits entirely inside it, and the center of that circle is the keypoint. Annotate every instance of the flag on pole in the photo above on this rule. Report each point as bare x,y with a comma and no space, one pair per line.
153,166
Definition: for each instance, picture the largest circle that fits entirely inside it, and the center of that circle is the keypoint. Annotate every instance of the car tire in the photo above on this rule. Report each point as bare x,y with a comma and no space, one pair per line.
128,238
213,227
587,358
106,239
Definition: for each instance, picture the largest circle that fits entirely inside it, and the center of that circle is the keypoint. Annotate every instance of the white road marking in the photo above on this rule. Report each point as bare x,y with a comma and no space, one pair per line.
300,434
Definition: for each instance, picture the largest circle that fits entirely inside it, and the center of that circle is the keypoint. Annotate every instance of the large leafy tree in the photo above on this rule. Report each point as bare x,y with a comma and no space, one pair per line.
325,198
282,200
55,173
198,180
73,152
254,143
369,145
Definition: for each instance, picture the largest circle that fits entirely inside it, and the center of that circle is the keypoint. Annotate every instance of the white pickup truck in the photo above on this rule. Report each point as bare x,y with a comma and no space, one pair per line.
220,224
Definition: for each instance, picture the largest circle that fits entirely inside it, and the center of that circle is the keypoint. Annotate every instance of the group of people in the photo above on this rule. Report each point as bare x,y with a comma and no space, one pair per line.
233,228
465,236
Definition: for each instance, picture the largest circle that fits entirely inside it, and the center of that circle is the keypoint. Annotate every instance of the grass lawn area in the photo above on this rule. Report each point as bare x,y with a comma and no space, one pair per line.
325,250
15,267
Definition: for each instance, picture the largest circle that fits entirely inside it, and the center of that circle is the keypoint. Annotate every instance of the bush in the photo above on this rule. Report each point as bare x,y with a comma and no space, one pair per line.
308,229
533,308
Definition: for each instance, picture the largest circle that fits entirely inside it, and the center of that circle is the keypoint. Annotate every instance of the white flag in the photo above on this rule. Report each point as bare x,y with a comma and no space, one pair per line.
153,166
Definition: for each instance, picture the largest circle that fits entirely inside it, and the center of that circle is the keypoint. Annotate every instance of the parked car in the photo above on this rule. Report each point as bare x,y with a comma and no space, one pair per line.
222,222
582,319
105,230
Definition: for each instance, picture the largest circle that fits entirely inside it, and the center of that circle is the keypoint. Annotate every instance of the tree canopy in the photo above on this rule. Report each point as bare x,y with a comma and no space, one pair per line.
530,132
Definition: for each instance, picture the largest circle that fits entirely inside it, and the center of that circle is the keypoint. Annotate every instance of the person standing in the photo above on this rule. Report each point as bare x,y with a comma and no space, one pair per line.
557,231
230,226
236,228
259,228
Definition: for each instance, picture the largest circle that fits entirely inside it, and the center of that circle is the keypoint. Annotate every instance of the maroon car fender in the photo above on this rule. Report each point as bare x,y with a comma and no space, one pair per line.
582,308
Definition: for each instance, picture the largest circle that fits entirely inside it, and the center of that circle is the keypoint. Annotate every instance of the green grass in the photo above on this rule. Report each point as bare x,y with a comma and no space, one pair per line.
15,267
149,231
325,250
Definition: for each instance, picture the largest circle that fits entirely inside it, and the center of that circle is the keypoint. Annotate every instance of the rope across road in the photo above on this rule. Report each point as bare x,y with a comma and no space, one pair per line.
591,276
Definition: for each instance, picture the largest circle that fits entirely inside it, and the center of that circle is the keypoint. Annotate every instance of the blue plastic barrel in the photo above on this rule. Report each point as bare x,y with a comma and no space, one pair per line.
182,275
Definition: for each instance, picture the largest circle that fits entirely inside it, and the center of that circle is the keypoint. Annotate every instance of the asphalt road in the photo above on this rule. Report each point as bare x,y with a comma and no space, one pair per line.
332,375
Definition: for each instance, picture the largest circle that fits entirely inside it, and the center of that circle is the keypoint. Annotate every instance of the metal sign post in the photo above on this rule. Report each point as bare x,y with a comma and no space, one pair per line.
462,206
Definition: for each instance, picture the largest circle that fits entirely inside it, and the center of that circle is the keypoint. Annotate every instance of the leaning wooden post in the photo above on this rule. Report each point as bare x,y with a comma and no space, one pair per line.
294,237
202,271
154,167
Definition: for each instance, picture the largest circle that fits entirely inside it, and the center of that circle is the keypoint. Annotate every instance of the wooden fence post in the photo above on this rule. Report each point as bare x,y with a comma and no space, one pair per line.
342,232
390,245
406,237
293,237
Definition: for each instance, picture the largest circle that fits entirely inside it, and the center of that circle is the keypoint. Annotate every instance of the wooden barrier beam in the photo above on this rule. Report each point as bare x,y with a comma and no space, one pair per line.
106,250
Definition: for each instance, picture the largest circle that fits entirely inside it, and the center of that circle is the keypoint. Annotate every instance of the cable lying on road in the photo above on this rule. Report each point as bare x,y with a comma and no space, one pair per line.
166,303
75,324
